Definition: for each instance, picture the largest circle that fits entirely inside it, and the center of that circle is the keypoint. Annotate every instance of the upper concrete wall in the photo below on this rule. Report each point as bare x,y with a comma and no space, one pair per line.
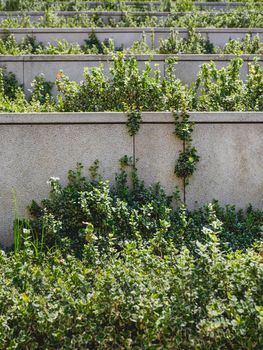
34,147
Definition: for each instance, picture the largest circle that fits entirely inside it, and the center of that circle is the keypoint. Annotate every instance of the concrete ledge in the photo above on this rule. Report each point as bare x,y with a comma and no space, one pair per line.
121,118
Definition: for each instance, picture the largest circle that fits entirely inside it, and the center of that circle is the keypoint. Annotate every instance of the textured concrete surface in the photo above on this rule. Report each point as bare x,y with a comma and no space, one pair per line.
157,148
72,66
230,168
31,154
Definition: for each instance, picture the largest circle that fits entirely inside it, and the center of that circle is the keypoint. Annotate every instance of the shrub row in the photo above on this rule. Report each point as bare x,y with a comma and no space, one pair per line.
232,19
143,90
195,43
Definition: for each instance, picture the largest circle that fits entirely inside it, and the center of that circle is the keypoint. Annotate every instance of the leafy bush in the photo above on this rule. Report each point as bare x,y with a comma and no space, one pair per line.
141,90
194,43
135,212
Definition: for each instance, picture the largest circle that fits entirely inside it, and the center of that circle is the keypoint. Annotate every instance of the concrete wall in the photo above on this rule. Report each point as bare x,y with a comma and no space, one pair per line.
27,68
34,147
126,36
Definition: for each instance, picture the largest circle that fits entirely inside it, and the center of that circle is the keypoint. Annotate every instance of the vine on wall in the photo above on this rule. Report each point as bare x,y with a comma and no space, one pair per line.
134,118
188,158
186,163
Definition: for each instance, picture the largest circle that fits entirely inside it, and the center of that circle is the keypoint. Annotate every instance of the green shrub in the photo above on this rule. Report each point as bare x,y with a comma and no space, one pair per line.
121,269
133,213
141,90
195,43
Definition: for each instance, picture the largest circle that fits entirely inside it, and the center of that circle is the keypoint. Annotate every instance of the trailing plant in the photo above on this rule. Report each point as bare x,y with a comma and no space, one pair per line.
188,158
186,163
134,120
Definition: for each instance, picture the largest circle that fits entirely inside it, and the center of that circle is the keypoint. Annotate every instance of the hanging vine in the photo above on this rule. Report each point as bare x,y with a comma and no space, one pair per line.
188,158
134,121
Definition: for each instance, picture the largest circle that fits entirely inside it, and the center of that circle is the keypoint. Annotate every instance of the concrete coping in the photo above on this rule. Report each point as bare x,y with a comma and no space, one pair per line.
121,118
33,31
143,58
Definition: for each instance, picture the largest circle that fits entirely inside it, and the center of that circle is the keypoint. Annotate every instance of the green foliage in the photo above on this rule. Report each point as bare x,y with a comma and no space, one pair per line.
128,87
186,163
41,90
119,268
248,45
223,89
134,300
108,5
244,18
188,158
195,43
133,123
129,210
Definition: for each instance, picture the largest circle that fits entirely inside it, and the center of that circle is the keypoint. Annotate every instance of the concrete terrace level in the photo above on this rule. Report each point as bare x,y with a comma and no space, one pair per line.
36,146
125,37
27,67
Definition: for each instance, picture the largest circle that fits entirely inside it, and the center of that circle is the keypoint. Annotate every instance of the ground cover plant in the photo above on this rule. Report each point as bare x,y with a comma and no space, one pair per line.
117,267
50,19
195,43
142,90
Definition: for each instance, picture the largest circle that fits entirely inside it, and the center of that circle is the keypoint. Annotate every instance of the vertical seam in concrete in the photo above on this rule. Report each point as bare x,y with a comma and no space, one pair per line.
23,72
247,66
134,151
184,182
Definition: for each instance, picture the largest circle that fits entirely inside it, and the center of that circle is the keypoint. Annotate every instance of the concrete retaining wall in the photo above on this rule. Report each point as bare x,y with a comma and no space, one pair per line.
34,147
27,68
126,36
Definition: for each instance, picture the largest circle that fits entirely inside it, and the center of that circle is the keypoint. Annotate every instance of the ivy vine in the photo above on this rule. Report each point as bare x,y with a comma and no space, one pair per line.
188,158
186,163
134,121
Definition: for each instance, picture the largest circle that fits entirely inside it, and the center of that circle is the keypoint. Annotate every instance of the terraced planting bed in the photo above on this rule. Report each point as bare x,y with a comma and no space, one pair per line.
154,239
